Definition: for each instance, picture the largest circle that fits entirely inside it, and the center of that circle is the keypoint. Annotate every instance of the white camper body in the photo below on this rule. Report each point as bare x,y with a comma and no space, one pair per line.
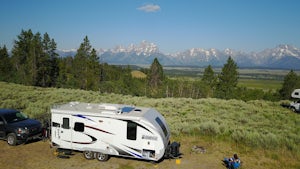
110,129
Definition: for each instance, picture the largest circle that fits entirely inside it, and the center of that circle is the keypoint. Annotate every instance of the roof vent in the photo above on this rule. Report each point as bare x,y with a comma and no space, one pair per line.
89,106
127,109
73,103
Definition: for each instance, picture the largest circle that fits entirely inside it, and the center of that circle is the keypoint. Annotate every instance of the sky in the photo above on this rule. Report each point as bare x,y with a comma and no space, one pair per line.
173,25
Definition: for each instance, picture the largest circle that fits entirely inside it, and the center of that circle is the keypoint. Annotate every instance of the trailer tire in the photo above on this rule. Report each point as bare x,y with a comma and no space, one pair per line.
12,139
89,155
102,157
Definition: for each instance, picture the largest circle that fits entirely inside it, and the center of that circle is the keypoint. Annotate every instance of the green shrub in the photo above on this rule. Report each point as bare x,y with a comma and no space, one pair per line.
209,128
257,123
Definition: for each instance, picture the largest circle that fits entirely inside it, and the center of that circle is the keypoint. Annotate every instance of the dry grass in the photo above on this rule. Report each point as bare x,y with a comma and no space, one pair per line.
138,74
39,155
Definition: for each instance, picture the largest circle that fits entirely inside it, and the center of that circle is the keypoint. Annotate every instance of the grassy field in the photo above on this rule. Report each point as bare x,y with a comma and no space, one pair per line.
244,73
263,133
265,79
263,84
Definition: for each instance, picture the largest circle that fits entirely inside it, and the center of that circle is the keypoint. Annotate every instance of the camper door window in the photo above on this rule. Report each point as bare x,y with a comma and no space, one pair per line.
66,123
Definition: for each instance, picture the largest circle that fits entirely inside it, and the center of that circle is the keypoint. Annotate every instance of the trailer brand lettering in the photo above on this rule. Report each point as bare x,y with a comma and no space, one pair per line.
149,137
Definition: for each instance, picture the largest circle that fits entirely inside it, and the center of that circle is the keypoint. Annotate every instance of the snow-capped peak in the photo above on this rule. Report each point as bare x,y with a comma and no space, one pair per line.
281,51
145,48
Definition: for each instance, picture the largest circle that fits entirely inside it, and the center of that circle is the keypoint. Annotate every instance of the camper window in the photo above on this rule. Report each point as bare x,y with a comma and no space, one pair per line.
131,130
79,127
55,124
66,123
161,124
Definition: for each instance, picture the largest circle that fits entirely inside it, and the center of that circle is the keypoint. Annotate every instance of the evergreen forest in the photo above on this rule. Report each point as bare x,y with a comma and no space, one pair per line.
33,61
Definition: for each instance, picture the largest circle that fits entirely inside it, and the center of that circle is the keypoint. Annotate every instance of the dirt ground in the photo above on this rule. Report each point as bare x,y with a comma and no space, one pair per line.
39,155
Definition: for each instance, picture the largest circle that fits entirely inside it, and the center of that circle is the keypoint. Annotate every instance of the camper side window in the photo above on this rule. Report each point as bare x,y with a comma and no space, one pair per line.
79,127
66,123
161,124
55,124
131,130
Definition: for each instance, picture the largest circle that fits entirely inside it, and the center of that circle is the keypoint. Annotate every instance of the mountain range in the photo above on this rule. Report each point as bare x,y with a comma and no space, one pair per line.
280,57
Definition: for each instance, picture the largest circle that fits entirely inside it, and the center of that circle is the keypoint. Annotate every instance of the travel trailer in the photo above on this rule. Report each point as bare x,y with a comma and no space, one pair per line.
296,94
102,130
295,105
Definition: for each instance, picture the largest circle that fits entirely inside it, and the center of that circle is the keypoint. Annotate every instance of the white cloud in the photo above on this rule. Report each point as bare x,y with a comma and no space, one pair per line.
149,8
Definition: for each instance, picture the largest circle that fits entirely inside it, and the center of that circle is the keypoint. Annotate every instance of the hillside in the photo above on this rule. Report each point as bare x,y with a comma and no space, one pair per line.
223,126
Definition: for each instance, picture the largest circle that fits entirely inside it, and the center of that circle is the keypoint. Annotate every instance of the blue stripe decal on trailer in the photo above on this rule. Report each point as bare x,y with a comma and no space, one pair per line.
136,155
82,116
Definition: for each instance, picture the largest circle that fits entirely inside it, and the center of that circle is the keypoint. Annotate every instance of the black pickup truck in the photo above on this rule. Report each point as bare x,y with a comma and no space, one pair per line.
17,128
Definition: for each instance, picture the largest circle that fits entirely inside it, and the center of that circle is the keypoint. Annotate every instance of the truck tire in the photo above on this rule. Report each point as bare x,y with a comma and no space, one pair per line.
102,157
12,139
89,155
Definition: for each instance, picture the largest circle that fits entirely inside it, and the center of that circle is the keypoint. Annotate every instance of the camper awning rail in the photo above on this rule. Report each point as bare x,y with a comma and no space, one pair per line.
96,114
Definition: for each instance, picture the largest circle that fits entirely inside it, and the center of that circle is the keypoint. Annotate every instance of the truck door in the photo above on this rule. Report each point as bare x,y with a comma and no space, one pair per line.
65,132
2,128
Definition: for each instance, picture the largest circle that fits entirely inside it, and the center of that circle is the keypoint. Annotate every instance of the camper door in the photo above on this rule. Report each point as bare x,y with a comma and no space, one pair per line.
62,132
65,132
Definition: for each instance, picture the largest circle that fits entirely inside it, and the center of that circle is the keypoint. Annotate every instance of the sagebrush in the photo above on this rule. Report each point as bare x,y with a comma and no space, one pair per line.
261,124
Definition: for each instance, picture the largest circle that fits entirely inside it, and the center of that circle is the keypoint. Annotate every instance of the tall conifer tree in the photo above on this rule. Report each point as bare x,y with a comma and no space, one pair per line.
156,74
5,64
291,82
86,67
228,80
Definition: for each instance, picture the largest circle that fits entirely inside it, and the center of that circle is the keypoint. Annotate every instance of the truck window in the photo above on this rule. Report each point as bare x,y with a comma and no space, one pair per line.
66,123
131,130
1,121
162,126
79,127
14,117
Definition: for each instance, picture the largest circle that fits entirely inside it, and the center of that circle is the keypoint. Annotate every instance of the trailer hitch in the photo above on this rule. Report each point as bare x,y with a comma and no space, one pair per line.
172,151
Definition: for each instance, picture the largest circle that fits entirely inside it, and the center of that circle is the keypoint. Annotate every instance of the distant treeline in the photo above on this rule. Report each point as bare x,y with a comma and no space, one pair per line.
34,62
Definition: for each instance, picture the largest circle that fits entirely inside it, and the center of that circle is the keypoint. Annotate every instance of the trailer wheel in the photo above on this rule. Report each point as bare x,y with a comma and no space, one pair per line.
12,139
102,157
89,155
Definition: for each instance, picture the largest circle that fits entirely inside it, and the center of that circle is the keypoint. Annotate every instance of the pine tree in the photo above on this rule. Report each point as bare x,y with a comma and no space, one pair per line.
209,76
21,52
93,70
228,80
49,63
34,59
291,82
5,65
54,63
66,78
156,74
209,79
80,66
86,66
